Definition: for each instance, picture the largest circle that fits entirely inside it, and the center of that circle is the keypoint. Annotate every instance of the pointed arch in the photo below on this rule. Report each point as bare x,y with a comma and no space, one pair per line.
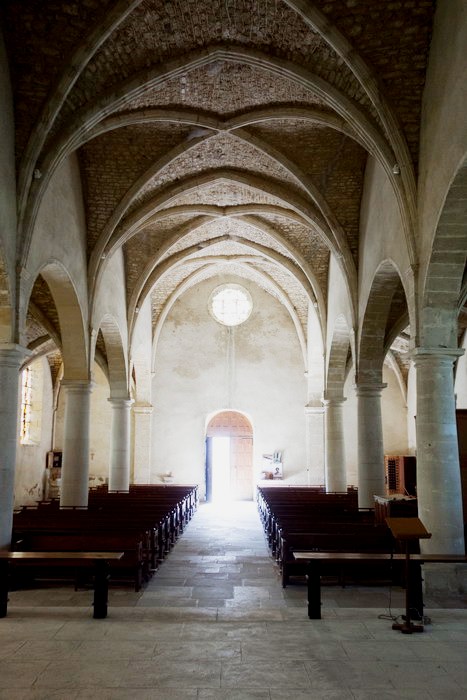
199,275
443,287
337,361
73,335
118,97
115,357
374,329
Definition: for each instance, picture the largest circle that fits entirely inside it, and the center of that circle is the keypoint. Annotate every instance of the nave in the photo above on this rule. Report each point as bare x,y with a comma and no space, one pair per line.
214,623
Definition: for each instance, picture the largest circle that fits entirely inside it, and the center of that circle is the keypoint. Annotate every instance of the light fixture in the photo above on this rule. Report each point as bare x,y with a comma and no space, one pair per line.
396,169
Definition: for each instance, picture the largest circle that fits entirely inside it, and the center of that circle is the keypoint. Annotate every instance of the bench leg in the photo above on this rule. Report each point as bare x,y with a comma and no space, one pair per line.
101,589
415,591
4,580
314,592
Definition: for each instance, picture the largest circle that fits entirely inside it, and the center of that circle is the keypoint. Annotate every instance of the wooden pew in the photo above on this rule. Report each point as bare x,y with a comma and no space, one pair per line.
154,516
321,563
98,561
350,538
129,566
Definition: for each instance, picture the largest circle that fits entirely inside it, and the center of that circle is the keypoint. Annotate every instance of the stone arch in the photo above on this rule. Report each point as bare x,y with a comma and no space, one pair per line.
445,277
387,302
297,265
114,100
192,279
114,355
337,361
74,340
229,422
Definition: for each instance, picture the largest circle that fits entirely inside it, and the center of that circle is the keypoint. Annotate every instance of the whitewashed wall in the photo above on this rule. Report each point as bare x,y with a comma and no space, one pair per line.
193,379
31,459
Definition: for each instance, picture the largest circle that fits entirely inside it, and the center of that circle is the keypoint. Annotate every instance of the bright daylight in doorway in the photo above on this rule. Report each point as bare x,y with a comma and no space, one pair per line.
221,490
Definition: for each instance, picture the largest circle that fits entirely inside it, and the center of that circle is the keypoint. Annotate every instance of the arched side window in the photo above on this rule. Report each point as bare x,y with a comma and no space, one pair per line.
31,404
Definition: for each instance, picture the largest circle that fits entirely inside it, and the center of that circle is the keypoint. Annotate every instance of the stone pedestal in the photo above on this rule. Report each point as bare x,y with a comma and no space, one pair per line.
438,472
75,464
370,444
142,414
11,358
119,473
335,470
314,432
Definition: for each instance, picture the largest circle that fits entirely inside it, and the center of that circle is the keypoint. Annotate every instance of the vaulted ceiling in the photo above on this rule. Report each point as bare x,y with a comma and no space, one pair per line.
228,136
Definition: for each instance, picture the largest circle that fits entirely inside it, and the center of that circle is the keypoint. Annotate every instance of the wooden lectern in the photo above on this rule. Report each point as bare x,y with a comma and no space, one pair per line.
407,530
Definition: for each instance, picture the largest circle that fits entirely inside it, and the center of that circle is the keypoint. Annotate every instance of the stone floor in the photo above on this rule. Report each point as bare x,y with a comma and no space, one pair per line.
215,624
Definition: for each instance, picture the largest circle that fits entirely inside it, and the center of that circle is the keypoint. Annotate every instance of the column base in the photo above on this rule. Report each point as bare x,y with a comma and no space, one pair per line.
445,581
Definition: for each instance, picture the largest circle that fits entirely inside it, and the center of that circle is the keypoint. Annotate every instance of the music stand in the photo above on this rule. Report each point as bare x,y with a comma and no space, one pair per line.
407,530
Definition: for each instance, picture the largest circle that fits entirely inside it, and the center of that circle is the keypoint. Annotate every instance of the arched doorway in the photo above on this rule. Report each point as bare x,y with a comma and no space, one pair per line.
229,457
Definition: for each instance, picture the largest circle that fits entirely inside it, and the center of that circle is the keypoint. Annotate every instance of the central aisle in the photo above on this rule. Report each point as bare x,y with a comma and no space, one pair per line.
221,567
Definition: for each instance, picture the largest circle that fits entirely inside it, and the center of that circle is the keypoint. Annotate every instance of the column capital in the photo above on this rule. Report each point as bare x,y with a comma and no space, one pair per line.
77,385
369,389
313,410
435,355
117,402
330,400
13,355
142,408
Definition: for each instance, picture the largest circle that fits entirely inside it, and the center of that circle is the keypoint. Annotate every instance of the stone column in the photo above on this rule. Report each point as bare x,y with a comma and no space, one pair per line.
370,444
119,474
438,473
142,443
11,358
334,447
314,435
75,465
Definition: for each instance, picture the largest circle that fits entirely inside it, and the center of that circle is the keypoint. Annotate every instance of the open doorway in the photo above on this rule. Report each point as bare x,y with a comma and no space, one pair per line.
229,458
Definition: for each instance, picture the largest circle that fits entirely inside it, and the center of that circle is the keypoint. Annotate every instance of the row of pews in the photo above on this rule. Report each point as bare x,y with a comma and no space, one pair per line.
302,518
143,523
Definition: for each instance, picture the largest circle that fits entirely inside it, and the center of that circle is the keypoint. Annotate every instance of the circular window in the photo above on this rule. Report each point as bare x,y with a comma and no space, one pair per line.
230,304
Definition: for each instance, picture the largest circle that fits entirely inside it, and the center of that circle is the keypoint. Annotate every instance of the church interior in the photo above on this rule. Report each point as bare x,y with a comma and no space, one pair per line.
233,241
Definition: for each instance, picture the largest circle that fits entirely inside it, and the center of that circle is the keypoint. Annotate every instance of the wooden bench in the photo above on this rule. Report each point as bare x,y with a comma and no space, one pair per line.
318,564
351,538
99,561
132,565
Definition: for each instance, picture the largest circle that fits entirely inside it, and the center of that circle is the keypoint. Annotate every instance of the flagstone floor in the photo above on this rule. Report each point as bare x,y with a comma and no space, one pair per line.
215,624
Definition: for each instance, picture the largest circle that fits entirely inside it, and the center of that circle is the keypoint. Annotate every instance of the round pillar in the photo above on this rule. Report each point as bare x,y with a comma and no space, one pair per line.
335,468
119,474
142,414
75,464
314,435
370,444
11,359
439,489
